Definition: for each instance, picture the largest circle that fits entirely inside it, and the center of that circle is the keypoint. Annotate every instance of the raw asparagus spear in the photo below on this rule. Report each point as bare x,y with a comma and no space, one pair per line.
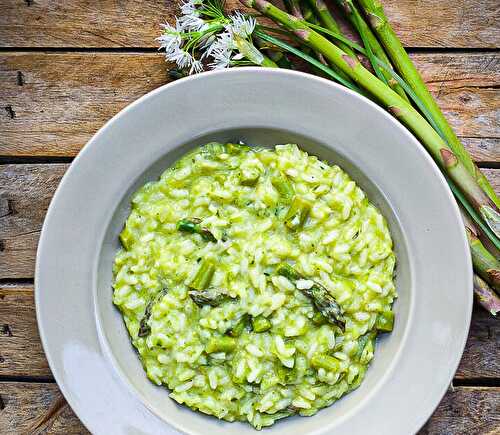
322,299
380,24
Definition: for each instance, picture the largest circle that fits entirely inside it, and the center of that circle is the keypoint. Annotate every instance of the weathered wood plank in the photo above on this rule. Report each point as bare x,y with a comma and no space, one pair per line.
40,408
21,352
466,411
25,192
66,97
85,23
35,408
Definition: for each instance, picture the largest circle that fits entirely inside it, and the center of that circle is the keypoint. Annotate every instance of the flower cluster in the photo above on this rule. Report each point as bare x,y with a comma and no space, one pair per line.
204,37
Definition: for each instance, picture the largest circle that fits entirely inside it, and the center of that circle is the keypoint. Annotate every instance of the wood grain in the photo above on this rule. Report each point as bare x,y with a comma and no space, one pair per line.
36,408
128,23
21,353
40,408
66,97
25,193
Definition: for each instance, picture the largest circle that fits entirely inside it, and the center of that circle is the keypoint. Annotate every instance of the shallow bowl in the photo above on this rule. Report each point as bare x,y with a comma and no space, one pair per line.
84,337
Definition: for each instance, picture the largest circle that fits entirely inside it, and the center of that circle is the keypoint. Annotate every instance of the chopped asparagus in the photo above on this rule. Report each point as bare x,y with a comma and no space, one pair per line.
193,226
236,148
203,277
215,148
249,177
327,362
220,344
144,328
297,213
322,299
210,296
385,321
238,329
363,341
126,238
261,324
282,184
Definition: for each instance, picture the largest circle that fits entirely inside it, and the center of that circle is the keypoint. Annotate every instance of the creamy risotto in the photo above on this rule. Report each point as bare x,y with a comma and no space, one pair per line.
253,282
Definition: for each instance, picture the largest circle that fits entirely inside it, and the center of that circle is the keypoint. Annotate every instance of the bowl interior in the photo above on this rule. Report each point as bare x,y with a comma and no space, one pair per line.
114,337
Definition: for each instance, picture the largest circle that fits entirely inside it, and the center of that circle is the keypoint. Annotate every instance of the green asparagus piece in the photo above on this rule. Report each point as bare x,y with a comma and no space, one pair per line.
144,328
238,329
126,238
193,226
385,321
220,344
283,185
327,362
380,24
322,299
363,341
237,148
397,106
261,324
249,177
485,296
214,148
297,213
210,296
204,275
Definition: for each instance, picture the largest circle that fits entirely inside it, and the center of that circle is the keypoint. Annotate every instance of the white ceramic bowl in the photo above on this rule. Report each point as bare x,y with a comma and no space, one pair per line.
83,334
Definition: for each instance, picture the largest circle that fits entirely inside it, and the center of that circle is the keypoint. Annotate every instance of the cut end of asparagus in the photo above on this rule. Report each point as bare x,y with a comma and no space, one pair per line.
485,296
492,218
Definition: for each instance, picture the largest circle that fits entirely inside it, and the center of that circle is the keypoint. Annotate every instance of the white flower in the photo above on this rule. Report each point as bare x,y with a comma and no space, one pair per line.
196,67
182,58
170,40
241,25
192,23
221,50
188,7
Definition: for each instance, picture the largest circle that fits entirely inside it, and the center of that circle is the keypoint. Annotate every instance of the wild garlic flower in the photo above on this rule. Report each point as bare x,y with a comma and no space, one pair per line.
203,34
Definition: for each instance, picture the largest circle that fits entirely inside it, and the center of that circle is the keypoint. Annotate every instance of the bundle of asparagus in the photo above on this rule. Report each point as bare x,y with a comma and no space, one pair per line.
205,36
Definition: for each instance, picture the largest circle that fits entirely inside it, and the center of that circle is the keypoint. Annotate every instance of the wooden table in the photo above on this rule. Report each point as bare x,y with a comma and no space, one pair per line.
68,66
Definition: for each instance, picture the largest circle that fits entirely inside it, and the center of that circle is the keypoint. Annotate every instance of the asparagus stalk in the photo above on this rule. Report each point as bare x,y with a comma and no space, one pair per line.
486,297
326,18
380,24
485,264
371,43
220,344
396,105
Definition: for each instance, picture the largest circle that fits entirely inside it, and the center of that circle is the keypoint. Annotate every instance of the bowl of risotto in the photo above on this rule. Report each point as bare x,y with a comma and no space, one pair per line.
253,250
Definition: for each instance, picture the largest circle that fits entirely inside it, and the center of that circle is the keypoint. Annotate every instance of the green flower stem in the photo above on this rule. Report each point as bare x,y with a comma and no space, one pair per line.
486,297
380,24
389,99
370,41
253,54
278,57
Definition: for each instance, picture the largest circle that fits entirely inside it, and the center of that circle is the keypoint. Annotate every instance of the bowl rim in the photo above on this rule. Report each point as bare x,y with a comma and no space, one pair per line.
89,148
